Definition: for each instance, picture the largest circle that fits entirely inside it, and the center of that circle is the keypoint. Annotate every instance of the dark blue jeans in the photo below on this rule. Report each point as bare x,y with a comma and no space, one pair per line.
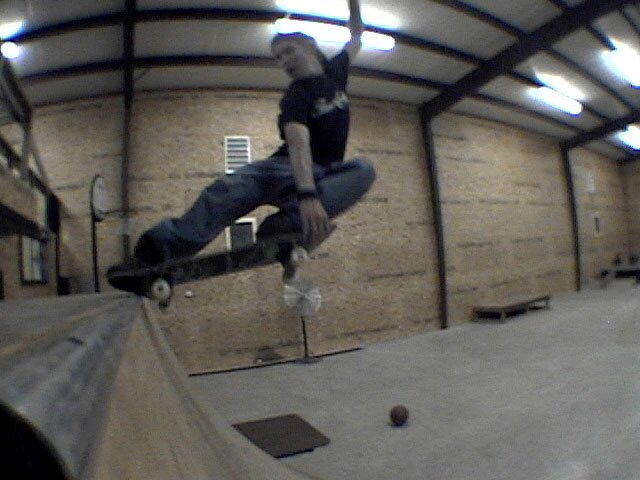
268,182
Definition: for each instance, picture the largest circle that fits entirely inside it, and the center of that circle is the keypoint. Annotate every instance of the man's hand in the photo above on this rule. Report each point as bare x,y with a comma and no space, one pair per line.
316,225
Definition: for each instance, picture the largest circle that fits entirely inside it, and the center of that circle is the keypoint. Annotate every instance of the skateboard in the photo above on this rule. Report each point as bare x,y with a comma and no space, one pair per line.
157,281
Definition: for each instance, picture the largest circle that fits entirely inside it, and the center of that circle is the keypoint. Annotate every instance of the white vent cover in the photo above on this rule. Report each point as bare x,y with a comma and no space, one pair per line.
237,152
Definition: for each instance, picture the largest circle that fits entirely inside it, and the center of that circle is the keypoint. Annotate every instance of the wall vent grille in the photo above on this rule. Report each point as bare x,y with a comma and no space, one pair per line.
237,152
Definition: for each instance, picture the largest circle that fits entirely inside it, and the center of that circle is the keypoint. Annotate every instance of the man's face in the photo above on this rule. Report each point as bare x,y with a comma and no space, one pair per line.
294,57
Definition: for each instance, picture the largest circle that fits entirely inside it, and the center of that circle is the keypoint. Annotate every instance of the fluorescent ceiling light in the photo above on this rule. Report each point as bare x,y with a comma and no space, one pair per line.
8,30
559,84
10,50
557,100
324,33
630,137
625,62
377,41
338,10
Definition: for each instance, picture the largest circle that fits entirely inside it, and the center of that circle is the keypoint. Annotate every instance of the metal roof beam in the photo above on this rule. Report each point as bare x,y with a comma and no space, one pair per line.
528,45
13,223
629,159
480,15
516,107
212,60
630,20
592,78
108,20
9,153
510,29
602,131
540,116
128,58
225,14
20,108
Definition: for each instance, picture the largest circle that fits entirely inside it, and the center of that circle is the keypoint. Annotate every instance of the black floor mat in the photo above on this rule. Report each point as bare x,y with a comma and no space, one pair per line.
282,436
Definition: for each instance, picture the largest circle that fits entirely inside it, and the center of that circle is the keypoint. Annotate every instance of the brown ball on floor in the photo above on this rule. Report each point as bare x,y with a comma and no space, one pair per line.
399,415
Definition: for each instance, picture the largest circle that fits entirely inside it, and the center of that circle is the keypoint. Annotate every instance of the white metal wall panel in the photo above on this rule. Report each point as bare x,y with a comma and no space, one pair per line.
615,26
415,62
203,38
71,88
519,93
76,48
497,113
384,90
37,13
172,78
527,15
607,150
241,4
583,48
594,95
448,27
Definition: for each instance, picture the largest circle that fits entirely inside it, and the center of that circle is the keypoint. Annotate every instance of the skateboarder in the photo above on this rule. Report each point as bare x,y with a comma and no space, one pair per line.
306,177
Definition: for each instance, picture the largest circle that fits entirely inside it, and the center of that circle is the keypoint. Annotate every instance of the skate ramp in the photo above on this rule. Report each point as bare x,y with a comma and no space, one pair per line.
89,389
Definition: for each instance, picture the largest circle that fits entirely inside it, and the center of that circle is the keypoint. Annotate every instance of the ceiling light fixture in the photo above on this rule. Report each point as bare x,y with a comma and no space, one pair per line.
557,100
559,84
630,137
624,61
10,50
338,10
9,30
324,33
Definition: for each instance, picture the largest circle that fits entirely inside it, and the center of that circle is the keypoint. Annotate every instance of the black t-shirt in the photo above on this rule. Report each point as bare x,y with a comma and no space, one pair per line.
320,103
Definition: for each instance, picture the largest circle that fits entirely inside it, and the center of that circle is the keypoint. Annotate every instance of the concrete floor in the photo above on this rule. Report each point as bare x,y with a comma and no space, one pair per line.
550,395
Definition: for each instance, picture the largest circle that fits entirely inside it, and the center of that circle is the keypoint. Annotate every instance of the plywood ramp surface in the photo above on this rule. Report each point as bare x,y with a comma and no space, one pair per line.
94,383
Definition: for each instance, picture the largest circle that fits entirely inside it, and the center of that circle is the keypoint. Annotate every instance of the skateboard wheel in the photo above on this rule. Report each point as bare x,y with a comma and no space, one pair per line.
160,290
299,255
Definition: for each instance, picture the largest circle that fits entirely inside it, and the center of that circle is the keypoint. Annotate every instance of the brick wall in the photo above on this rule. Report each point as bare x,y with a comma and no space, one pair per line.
506,213
18,196
599,188
77,141
631,179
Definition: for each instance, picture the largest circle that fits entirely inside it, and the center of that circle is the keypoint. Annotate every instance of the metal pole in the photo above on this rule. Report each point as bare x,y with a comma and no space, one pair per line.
307,358
128,47
566,163
94,252
436,204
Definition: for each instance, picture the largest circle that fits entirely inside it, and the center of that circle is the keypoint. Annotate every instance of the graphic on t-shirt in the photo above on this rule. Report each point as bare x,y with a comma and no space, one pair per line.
322,106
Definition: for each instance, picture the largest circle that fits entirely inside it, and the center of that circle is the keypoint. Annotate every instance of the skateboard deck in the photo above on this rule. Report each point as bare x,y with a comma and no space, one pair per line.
156,281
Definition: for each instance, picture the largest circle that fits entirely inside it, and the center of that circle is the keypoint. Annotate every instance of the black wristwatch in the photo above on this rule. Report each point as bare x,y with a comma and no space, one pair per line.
306,194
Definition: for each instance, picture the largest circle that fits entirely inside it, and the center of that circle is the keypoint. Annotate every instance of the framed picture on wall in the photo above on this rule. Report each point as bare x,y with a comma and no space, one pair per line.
33,261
